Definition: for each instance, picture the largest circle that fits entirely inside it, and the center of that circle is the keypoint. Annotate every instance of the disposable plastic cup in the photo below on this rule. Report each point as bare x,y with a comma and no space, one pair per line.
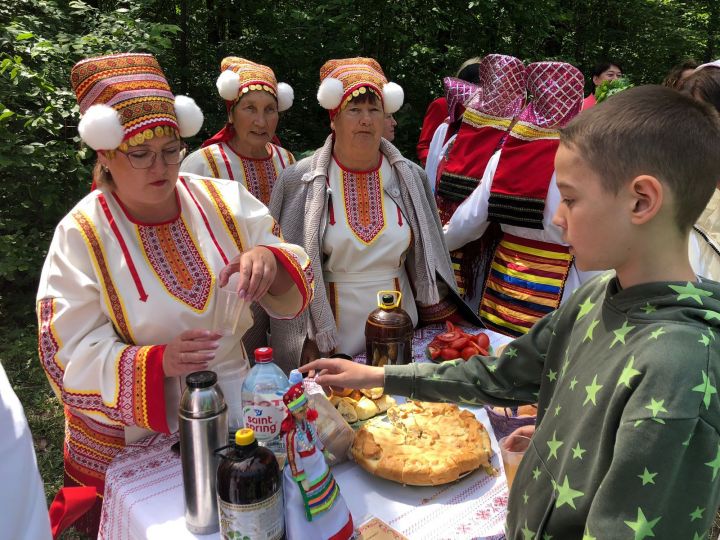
229,310
512,450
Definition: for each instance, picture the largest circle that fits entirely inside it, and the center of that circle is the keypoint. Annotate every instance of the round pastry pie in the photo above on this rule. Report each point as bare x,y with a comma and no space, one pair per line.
423,444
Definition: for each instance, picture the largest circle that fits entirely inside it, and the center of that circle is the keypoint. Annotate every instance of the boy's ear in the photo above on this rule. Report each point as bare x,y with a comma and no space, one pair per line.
648,196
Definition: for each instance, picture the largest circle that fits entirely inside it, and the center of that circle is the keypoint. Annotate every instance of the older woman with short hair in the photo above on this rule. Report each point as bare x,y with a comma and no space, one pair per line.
364,214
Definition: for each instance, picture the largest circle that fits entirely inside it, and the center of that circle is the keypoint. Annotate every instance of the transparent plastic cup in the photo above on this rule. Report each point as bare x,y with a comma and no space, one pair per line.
229,310
512,449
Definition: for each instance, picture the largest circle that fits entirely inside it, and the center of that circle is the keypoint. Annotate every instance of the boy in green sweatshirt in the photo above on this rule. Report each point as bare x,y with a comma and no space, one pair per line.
626,373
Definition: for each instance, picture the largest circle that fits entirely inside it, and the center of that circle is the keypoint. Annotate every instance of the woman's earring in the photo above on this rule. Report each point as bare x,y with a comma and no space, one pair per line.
104,168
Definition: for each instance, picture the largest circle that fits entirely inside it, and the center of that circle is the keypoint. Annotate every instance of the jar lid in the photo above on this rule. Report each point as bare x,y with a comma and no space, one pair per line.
263,354
201,379
244,437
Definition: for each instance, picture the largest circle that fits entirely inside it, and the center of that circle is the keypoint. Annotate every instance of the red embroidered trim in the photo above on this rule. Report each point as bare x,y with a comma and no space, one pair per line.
207,152
346,532
175,258
279,155
331,212
89,449
260,176
227,162
123,247
225,213
205,220
113,297
363,197
302,277
123,410
154,389
47,343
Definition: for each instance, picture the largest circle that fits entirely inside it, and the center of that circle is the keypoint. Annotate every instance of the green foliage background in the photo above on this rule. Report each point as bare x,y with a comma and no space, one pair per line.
44,170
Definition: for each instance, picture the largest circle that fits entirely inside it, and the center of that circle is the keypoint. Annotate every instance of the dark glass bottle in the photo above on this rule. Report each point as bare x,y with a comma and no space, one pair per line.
249,491
388,332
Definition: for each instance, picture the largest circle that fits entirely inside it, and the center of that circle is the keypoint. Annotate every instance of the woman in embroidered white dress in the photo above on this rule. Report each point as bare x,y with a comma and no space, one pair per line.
364,214
244,149
127,293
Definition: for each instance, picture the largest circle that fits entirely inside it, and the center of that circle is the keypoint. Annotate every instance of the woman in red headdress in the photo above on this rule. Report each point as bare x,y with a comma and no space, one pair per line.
246,149
314,507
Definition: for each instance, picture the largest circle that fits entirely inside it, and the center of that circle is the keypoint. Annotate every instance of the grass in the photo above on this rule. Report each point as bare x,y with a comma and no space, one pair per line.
18,355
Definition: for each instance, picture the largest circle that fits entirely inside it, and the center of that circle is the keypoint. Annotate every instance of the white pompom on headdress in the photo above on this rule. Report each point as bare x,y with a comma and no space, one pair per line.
285,96
228,85
393,97
189,116
100,128
330,93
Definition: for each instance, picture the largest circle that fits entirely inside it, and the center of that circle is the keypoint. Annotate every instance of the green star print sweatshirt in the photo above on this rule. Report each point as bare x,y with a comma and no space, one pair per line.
627,443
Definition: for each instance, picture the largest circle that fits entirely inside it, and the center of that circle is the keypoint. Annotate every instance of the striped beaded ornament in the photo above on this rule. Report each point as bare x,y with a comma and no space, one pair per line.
343,79
239,76
125,100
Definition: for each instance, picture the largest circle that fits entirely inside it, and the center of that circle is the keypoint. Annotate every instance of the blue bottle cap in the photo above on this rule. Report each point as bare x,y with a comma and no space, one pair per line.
295,377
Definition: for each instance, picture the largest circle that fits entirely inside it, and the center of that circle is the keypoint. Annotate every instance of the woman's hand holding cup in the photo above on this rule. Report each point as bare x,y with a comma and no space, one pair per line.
190,351
256,268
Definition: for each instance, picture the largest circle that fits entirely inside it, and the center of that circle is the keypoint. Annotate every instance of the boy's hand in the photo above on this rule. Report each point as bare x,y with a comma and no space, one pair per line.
515,442
345,373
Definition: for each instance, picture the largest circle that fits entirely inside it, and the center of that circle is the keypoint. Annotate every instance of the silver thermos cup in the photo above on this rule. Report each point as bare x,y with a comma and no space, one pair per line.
203,429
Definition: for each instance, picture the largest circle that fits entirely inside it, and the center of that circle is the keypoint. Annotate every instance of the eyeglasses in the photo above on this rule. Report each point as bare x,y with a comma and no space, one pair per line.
144,159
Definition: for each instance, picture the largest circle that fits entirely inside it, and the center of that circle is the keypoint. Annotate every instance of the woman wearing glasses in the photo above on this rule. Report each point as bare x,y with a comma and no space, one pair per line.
128,289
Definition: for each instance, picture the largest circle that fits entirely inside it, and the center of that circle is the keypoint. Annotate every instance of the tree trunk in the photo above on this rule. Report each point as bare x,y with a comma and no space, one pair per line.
712,30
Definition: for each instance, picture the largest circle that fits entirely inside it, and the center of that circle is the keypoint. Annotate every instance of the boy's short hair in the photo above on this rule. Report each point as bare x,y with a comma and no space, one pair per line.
656,131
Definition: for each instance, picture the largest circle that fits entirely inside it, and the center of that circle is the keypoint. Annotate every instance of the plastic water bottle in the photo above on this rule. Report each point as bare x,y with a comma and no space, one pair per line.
262,401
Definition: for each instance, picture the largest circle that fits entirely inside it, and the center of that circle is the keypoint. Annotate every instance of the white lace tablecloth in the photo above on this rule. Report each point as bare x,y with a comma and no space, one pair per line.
144,497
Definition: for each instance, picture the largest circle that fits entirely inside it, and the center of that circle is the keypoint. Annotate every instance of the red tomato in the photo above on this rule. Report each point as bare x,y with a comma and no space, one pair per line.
448,353
467,352
434,352
483,340
448,337
483,352
450,326
459,343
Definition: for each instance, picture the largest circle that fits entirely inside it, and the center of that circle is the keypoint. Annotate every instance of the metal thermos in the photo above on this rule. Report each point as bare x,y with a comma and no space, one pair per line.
203,429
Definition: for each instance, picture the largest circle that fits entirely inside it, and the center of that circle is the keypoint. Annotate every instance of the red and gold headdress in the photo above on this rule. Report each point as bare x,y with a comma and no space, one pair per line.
126,99
239,76
343,79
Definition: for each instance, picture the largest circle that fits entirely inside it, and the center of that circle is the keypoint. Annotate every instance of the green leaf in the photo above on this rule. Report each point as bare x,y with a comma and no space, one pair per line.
24,35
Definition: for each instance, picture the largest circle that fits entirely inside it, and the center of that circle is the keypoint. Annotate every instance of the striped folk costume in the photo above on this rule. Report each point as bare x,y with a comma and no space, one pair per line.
531,270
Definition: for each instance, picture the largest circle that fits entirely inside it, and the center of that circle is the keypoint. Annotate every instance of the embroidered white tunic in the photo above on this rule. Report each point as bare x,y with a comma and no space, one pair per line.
113,291
257,175
365,243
